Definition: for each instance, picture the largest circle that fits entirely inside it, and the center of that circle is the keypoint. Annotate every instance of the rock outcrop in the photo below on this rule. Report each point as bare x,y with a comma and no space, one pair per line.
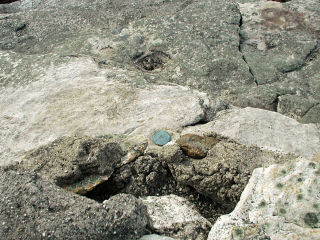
33,208
79,164
155,97
279,202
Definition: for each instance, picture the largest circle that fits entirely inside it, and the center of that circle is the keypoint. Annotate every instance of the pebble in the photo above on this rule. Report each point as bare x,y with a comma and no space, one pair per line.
196,146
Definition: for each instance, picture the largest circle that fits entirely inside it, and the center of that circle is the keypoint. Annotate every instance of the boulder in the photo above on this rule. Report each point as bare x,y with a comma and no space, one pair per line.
33,208
175,217
279,202
74,99
79,164
265,129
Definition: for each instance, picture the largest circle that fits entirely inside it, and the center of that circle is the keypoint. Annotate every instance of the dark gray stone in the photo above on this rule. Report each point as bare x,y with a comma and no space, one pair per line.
32,208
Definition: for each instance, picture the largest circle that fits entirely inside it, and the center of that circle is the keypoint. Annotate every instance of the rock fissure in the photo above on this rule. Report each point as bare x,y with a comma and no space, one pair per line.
309,57
309,109
241,40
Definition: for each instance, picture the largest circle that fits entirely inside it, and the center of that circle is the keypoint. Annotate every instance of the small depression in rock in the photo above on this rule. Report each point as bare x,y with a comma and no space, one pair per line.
141,179
7,1
282,1
153,61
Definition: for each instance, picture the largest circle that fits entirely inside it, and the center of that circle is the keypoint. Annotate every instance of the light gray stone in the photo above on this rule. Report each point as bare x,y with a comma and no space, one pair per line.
77,98
265,129
175,217
155,237
279,202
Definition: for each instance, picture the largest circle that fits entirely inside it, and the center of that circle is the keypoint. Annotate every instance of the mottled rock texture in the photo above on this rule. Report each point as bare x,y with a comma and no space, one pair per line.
279,202
79,99
196,146
96,67
224,172
32,208
175,217
79,164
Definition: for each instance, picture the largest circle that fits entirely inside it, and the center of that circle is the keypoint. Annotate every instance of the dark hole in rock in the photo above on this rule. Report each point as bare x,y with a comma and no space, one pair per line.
7,1
154,60
282,1
149,177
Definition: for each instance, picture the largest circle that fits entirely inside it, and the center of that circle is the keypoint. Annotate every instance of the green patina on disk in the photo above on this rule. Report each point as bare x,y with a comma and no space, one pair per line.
161,137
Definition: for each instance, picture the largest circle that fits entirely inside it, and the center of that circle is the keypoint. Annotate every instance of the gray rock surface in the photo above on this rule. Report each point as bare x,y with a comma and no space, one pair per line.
96,67
99,63
224,172
32,208
155,237
175,217
79,164
279,202
265,129
280,43
78,99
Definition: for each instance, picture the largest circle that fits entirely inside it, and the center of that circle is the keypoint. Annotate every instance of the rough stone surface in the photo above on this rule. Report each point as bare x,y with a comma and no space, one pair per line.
142,177
32,208
279,202
265,129
280,43
175,217
74,101
155,237
224,172
79,164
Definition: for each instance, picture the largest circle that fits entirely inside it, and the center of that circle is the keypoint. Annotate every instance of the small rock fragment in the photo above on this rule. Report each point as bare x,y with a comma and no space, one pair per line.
175,217
196,146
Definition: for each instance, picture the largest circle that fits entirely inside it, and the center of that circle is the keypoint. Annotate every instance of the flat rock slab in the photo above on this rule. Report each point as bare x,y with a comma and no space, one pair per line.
265,129
175,217
32,208
279,202
77,98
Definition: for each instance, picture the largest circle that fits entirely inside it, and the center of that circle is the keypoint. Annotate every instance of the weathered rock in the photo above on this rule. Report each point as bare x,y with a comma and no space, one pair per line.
79,164
155,237
279,202
175,217
75,101
224,172
32,208
280,43
196,146
142,177
279,34
265,129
